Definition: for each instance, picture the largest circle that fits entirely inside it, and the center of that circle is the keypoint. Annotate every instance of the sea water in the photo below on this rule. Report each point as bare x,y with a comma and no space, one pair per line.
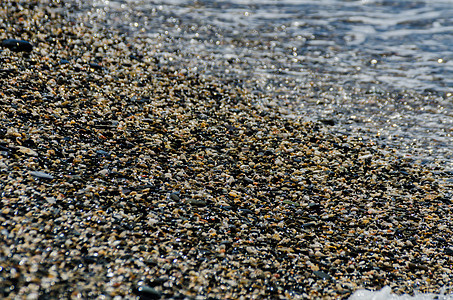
380,69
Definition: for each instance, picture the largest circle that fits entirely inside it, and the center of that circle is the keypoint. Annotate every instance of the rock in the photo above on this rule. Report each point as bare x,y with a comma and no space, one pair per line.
322,275
290,202
27,151
314,206
4,73
417,266
174,196
51,200
17,45
197,202
246,211
309,225
330,122
41,175
147,293
95,66
449,251
103,153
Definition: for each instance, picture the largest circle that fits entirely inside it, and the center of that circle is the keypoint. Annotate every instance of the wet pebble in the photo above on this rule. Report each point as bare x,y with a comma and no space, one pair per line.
41,175
174,196
448,251
17,45
147,293
195,202
322,275
27,151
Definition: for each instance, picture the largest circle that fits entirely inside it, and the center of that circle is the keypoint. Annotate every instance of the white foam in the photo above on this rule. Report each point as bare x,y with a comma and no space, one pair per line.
386,294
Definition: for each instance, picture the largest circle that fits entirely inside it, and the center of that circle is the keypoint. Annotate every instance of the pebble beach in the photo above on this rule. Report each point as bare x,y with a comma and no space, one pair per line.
123,177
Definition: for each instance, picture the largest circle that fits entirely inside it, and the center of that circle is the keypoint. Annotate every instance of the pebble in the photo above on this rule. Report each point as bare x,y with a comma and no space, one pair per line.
147,293
41,175
27,151
195,202
449,251
174,196
322,275
17,45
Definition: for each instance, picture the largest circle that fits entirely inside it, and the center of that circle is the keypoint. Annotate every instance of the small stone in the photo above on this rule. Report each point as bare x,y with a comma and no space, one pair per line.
104,172
174,197
197,202
330,122
51,200
319,254
314,206
147,293
6,72
417,266
41,175
95,66
290,202
251,250
233,194
322,275
27,151
278,161
103,153
246,211
17,45
309,224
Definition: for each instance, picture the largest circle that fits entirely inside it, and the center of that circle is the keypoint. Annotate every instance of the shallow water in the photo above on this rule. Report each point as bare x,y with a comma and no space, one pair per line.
381,69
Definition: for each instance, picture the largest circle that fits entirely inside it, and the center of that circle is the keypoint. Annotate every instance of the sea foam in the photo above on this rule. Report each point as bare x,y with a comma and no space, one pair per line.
386,294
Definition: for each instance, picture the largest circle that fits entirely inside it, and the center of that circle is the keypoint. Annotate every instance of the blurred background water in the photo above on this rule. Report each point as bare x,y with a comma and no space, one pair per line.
381,69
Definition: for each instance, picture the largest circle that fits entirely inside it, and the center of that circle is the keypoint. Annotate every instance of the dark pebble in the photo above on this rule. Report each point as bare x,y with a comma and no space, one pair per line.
417,266
232,228
90,259
308,225
96,66
329,122
17,45
197,202
245,211
226,207
314,206
248,180
448,251
102,153
146,292
174,197
4,148
441,240
158,281
322,275
6,72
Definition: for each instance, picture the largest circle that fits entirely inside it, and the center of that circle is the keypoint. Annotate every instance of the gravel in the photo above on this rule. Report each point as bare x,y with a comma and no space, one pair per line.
121,177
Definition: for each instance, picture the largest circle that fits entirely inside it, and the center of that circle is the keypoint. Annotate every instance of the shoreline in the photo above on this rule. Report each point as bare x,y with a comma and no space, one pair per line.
124,178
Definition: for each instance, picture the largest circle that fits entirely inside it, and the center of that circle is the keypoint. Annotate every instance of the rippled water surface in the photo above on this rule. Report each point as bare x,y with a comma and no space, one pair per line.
381,69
